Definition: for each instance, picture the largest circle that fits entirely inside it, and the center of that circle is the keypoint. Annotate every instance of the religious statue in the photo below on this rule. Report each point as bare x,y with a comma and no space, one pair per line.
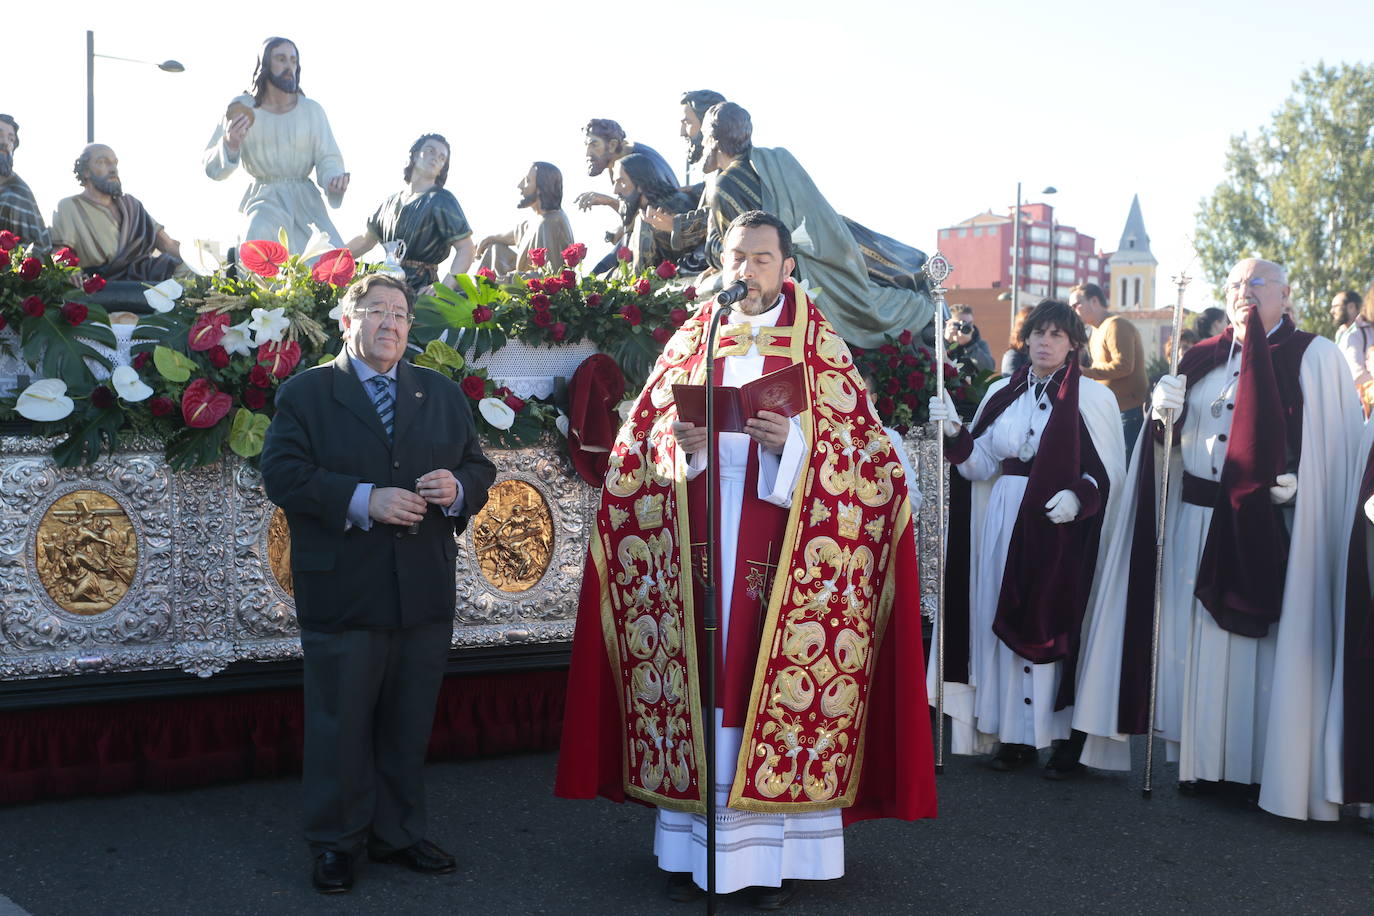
541,190
687,229
110,231
19,212
425,218
606,144
280,136
639,186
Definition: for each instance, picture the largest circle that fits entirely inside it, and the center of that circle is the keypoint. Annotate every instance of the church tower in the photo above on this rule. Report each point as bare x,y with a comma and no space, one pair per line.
1133,266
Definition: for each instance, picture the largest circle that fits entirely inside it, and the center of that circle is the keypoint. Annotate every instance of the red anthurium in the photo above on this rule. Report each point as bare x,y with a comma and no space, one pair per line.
280,357
334,267
208,330
262,256
203,405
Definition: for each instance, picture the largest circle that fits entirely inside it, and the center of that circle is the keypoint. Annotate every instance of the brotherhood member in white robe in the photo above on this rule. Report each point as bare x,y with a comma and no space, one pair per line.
280,136
1263,481
1046,460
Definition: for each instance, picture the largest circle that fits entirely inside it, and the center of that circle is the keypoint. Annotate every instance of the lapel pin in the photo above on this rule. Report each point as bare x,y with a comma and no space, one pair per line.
419,394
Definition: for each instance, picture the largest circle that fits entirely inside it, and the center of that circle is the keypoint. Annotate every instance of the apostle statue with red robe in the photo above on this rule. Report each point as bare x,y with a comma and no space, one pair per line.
820,716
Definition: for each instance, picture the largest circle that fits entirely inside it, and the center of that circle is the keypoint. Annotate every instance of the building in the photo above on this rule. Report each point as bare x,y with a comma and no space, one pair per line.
1133,266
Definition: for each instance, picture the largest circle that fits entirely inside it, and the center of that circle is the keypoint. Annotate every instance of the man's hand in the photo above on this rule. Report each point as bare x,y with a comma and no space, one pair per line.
659,218
338,184
690,437
769,430
1168,396
438,487
234,132
1063,507
588,199
1284,489
395,506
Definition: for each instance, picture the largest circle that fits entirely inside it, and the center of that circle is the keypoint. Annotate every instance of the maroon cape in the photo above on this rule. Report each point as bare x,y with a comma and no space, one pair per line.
1358,725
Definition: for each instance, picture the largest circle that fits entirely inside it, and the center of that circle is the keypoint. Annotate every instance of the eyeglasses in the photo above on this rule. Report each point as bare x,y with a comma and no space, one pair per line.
1236,286
380,315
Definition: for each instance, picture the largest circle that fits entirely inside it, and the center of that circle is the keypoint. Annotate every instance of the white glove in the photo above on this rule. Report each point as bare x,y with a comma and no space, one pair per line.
1369,509
1284,489
1063,507
1167,396
943,411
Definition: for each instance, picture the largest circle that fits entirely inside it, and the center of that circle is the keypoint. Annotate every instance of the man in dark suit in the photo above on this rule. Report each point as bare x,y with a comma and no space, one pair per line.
377,466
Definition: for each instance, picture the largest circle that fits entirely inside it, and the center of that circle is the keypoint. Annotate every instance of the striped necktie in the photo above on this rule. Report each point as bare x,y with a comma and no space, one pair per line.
384,401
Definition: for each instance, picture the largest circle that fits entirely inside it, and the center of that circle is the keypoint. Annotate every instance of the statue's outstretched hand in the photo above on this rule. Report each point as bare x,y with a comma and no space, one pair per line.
339,183
235,129
588,199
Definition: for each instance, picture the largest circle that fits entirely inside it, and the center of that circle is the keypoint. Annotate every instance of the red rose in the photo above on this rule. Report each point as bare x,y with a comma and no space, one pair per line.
888,350
661,335
593,300
203,405
885,406
559,331
667,270
643,287
161,406
893,362
254,398
3,323
334,267
219,357
514,403
893,386
66,257
262,257
481,315
632,314
207,331
950,371
4,259
911,399
539,256
94,283
8,240
909,360
678,317
624,254
487,274
473,386
142,359
33,307
553,285
280,357
539,302
30,268
102,398
259,376
569,278
915,379
574,253
534,284
905,338
74,313
690,293
541,319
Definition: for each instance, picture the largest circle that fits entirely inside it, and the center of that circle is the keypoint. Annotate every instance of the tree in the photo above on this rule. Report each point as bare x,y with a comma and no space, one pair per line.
1302,193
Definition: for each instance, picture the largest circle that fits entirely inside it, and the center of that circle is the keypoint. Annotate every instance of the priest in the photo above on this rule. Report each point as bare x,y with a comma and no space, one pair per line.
820,713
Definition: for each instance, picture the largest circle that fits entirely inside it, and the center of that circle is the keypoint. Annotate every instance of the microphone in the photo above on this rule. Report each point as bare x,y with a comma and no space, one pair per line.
732,294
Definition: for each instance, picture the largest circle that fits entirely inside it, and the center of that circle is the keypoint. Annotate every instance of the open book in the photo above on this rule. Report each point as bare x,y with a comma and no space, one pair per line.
783,392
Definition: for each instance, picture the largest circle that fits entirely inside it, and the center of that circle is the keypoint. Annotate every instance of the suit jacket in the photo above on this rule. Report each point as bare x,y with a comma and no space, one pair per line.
325,439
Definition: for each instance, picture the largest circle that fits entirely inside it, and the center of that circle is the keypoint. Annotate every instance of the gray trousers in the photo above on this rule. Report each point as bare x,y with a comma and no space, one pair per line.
369,709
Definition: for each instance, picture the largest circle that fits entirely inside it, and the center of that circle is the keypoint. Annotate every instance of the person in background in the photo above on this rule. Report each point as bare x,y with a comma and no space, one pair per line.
1118,357
1345,309
1356,339
966,344
1210,323
1016,355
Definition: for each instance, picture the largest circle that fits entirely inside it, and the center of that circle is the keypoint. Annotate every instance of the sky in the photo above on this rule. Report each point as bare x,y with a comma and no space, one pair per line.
908,116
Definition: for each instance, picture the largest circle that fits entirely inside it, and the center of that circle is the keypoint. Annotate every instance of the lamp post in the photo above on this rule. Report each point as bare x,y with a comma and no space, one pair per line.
1016,252
169,66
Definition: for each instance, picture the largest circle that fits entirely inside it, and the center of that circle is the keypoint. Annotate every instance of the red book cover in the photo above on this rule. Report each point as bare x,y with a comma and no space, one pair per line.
783,392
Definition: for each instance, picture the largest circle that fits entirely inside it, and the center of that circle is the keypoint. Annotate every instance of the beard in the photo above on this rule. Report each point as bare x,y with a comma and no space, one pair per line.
527,200
286,82
107,184
596,167
695,149
6,165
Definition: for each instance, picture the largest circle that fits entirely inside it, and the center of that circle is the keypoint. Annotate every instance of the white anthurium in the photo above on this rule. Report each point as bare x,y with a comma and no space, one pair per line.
319,243
45,401
496,412
561,421
160,298
238,339
269,325
128,385
337,314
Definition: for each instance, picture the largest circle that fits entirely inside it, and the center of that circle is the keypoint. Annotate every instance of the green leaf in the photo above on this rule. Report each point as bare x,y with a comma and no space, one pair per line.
192,447
248,432
95,432
171,365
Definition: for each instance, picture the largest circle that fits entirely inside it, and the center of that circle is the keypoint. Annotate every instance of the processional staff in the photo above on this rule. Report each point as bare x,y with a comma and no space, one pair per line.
1181,281
937,269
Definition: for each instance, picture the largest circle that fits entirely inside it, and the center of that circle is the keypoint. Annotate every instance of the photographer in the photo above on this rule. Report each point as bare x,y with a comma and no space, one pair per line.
965,344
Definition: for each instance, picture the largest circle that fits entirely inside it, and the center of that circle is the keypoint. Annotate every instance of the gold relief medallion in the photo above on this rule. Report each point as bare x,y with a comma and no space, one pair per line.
86,552
279,551
513,536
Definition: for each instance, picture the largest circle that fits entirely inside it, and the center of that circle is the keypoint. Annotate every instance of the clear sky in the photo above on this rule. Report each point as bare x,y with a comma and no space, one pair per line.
908,116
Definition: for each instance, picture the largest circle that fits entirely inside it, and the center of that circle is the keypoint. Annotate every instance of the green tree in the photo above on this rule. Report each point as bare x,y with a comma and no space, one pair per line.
1301,193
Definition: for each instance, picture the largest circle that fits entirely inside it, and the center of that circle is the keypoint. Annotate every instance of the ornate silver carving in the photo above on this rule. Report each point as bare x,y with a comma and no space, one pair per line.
920,448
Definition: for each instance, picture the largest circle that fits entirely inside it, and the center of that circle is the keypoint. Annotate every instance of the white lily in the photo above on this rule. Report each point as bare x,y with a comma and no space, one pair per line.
44,401
161,297
269,324
496,412
238,339
319,243
561,421
337,314
128,385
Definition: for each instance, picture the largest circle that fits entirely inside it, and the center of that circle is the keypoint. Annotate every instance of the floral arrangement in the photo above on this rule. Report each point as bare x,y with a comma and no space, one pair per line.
901,377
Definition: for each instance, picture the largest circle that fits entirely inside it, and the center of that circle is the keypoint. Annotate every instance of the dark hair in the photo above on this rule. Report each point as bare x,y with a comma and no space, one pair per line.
605,129
962,310
732,127
701,100
1015,342
83,162
415,148
752,219
1053,313
1203,323
258,89
1091,291
9,119
648,178
548,181
363,285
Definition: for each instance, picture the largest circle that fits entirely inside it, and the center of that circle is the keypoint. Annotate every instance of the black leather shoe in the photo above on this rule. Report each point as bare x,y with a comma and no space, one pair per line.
1012,757
682,888
773,898
333,872
423,857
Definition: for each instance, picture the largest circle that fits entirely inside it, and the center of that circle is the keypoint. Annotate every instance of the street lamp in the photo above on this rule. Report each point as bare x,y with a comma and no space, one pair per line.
169,66
1016,251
